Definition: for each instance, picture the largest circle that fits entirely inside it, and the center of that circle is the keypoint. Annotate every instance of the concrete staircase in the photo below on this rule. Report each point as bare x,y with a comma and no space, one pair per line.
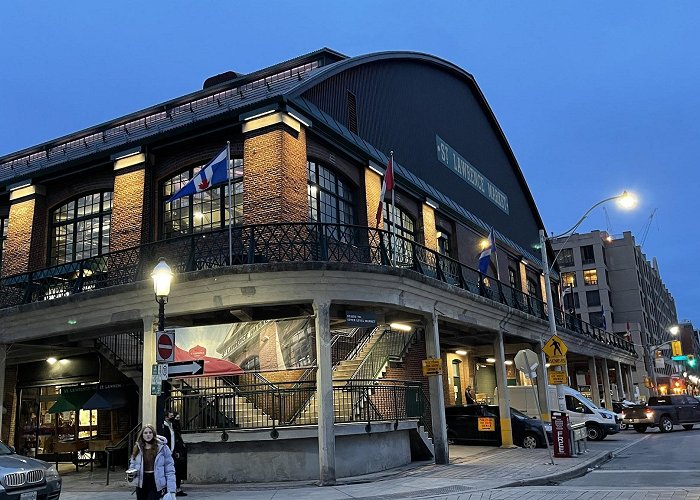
343,371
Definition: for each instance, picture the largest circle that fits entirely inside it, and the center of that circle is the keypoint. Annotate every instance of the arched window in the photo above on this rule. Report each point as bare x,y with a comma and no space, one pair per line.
80,228
3,237
203,211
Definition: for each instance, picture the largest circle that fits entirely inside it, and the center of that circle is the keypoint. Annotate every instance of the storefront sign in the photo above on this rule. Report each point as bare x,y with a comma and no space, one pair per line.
455,162
360,318
432,366
560,434
487,424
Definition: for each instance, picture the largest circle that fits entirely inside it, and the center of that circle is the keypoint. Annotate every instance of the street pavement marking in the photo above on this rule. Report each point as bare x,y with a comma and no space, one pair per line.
640,471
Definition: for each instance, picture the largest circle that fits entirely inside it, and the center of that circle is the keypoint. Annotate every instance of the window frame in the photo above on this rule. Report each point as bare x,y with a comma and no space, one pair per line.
73,221
404,252
589,281
193,170
566,257
343,192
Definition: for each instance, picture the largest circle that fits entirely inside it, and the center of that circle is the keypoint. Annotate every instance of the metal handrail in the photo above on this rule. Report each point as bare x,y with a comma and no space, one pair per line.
278,242
129,440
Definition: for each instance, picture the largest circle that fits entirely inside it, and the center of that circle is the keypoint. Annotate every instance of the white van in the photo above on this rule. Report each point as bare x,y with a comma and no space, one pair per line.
599,421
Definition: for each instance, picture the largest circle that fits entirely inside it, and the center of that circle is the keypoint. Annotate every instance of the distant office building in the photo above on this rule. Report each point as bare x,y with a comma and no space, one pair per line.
608,282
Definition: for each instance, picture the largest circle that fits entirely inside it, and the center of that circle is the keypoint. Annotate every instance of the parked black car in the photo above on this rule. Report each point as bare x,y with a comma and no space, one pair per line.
25,478
463,426
620,408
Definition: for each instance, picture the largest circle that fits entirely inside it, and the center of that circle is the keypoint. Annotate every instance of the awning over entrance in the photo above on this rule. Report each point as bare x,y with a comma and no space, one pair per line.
107,399
72,398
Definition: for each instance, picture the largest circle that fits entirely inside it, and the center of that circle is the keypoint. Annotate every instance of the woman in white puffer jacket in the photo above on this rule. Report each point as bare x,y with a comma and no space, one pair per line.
154,464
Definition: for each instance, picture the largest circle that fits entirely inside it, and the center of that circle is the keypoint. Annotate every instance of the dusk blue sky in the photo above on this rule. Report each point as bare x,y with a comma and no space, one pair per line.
594,97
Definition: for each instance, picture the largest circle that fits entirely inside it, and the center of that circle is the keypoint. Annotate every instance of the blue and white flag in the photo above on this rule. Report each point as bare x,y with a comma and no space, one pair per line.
213,173
485,257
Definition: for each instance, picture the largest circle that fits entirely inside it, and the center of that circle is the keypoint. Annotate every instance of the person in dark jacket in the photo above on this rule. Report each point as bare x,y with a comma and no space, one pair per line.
172,432
469,395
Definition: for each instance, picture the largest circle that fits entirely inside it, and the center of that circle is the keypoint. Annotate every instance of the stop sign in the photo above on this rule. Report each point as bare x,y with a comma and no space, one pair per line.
165,346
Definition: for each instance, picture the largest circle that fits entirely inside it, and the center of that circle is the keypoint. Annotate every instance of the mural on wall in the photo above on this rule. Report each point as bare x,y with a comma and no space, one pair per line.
234,348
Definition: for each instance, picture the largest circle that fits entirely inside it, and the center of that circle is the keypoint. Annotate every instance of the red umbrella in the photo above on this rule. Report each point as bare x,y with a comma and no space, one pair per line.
212,366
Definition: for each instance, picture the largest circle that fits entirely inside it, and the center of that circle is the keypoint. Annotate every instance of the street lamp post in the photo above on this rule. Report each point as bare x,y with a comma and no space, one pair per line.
162,277
626,200
650,349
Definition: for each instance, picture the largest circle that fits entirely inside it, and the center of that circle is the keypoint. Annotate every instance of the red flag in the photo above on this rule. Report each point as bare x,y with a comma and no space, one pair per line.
387,184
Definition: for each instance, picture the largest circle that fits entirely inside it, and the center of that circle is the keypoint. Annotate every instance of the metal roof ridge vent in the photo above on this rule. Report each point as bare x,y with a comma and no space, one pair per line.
224,77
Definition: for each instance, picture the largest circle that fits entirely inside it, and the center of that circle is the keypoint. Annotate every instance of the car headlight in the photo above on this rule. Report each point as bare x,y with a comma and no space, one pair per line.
548,427
51,473
606,415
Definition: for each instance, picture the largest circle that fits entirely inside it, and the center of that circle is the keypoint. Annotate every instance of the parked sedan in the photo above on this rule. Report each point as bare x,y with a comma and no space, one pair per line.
480,424
24,478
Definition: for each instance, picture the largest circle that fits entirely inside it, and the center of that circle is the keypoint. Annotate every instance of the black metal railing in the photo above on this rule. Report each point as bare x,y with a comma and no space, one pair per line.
282,242
126,348
390,346
346,344
276,405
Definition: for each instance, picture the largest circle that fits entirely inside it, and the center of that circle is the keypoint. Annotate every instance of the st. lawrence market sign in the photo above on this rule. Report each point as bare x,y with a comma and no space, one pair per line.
454,161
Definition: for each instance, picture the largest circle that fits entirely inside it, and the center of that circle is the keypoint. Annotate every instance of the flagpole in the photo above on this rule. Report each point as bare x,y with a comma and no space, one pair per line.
495,254
393,215
229,174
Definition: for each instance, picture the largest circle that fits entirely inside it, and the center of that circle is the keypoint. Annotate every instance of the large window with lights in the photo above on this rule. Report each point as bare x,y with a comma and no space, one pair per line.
399,222
205,211
331,200
3,238
80,228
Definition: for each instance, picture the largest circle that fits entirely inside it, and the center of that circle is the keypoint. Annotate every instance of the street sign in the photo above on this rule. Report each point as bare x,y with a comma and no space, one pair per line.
659,363
432,366
681,357
486,424
186,368
555,347
360,318
165,346
556,360
676,348
556,377
526,362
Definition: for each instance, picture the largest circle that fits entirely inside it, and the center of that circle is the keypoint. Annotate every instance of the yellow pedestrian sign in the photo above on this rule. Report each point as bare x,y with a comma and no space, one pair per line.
555,347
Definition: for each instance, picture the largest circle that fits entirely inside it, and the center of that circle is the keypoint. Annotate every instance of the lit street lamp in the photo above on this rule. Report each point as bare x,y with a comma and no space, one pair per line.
162,277
626,201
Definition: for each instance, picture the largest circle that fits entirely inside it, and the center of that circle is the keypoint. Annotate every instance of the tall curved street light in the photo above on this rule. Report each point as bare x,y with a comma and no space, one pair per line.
626,201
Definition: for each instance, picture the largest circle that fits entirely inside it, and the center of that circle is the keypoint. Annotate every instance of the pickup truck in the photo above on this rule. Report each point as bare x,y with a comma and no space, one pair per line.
664,412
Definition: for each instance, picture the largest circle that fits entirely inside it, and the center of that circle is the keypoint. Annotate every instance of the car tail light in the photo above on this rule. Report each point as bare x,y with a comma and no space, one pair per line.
623,414
649,413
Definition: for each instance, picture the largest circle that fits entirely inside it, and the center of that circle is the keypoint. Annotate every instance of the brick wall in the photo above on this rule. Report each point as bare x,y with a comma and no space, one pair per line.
275,179
412,367
10,402
373,187
429,229
127,208
25,248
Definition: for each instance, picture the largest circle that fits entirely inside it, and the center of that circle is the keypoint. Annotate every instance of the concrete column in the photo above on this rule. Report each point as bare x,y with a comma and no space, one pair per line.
3,367
148,402
437,398
620,378
606,384
324,394
503,394
630,383
593,375
542,384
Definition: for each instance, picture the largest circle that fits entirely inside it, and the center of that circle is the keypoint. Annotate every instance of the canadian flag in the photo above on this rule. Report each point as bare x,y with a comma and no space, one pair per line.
387,184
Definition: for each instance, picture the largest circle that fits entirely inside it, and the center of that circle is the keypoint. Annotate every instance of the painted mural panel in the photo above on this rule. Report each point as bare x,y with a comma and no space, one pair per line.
234,348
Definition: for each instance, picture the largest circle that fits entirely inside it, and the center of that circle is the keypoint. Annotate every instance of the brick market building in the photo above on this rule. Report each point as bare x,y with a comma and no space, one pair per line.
312,322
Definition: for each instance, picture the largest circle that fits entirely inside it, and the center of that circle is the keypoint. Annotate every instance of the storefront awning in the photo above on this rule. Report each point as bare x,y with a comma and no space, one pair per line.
72,400
107,399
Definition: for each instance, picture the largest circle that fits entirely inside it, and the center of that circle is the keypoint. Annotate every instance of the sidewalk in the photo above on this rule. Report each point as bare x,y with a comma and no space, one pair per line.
471,468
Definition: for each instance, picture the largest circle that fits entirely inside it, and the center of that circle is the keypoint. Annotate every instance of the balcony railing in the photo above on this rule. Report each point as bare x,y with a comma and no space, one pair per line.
272,243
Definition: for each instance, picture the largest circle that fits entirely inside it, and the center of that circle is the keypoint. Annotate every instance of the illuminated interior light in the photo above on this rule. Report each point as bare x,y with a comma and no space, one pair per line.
461,352
401,327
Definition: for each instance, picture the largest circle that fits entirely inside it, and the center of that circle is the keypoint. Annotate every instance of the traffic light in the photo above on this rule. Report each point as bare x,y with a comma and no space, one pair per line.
692,361
676,349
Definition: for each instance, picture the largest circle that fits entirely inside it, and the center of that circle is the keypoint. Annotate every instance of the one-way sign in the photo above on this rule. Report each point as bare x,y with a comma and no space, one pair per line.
186,368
